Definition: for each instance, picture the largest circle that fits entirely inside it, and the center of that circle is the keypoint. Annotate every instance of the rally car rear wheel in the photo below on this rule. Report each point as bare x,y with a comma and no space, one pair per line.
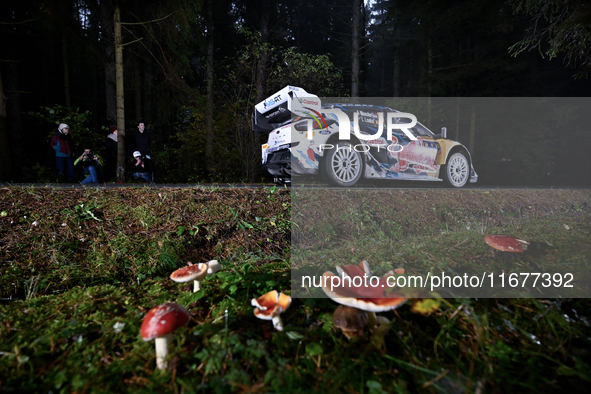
343,165
456,172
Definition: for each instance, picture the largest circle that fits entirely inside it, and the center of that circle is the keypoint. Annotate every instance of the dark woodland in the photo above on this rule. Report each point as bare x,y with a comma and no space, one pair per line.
193,70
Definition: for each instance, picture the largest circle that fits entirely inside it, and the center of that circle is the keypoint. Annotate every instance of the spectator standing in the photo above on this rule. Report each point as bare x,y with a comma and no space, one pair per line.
61,143
142,168
111,152
143,140
92,166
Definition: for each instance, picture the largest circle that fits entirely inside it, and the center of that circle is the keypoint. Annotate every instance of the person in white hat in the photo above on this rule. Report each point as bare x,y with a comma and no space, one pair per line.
142,168
61,143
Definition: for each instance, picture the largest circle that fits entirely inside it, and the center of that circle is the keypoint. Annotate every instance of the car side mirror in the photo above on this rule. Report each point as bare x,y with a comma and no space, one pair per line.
444,132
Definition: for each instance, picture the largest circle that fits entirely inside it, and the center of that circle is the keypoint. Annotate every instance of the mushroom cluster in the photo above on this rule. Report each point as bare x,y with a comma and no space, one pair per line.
162,320
353,290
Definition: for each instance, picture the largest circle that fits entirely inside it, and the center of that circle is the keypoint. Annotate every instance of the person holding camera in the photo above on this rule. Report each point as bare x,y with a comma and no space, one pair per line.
142,168
92,166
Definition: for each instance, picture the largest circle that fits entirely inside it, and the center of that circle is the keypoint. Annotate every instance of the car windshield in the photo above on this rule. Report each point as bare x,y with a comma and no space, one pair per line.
369,116
418,131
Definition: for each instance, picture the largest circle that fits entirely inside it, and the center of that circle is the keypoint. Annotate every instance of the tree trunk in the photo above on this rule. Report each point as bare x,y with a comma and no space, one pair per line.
148,80
210,76
66,73
397,53
260,82
396,76
5,159
356,48
120,97
138,93
109,52
18,142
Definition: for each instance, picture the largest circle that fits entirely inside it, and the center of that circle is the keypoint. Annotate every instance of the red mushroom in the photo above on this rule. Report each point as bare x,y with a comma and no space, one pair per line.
195,273
356,288
159,324
506,243
269,306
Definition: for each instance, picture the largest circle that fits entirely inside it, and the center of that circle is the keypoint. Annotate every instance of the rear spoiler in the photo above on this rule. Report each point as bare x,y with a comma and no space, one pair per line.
277,110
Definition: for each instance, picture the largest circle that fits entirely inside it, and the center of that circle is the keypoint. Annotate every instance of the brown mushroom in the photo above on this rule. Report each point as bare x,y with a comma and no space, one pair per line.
350,320
506,243
159,324
270,306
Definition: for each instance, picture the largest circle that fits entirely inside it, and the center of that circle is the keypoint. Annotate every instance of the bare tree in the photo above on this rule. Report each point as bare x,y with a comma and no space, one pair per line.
120,97
356,48
5,160
107,27
210,76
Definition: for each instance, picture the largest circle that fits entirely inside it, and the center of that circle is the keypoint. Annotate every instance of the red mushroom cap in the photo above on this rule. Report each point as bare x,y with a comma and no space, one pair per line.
189,273
163,320
271,304
372,298
506,243
355,270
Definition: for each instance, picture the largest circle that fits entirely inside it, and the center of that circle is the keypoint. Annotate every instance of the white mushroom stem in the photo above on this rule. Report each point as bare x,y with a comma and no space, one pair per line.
162,345
277,322
213,267
376,322
373,320
196,286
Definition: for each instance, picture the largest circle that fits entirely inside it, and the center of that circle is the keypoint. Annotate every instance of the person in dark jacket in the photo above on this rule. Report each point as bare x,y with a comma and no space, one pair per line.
61,143
143,140
111,152
92,167
142,168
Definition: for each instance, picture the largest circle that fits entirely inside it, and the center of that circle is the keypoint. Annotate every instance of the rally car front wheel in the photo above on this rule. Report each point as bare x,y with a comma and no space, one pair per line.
343,165
456,172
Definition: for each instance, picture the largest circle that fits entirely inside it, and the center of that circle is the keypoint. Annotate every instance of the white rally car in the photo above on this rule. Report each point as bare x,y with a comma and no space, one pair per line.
306,138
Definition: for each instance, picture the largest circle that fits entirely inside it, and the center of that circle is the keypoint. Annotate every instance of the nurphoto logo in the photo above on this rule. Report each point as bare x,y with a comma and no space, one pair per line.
393,122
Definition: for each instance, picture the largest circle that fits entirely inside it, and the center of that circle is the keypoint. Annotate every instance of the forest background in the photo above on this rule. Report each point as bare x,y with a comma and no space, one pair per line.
193,70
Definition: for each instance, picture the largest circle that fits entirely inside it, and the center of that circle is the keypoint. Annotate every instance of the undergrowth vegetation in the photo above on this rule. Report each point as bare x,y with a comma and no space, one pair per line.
81,268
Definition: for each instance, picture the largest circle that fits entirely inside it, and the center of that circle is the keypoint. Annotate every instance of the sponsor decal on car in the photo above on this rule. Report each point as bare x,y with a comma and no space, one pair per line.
278,148
280,110
271,101
309,102
377,142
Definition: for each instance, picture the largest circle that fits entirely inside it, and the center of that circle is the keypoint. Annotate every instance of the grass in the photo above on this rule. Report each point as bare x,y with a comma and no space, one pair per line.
75,295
